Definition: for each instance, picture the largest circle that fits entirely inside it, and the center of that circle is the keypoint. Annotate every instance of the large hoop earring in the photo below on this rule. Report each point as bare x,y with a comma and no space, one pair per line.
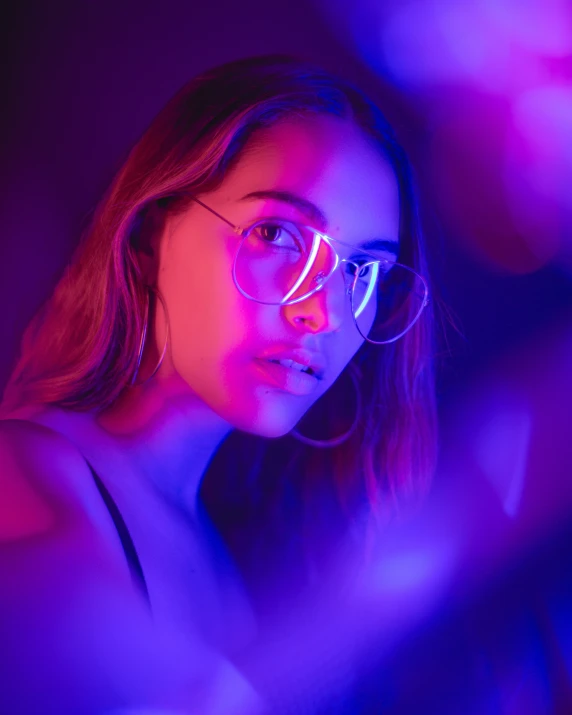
335,441
132,383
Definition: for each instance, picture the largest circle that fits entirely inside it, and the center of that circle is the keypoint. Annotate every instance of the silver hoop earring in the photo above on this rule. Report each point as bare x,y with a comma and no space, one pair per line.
144,335
335,441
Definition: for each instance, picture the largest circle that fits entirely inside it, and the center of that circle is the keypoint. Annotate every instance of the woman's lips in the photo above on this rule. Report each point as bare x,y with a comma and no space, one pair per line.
311,359
289,379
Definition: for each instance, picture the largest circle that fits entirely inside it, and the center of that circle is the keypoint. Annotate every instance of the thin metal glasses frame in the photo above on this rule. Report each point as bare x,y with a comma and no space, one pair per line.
243,232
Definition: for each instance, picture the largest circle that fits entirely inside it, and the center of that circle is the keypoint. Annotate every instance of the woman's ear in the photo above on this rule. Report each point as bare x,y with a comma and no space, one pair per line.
145,238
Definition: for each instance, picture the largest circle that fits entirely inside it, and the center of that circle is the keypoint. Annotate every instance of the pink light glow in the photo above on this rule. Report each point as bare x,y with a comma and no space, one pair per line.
499,45
493,80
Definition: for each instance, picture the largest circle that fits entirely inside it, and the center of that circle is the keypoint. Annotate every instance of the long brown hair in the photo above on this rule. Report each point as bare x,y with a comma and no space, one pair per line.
79,351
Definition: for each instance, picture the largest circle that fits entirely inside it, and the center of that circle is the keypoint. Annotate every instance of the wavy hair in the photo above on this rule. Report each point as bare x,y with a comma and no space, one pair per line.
79,350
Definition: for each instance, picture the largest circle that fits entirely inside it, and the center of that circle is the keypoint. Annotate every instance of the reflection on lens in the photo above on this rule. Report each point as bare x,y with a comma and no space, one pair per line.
285,267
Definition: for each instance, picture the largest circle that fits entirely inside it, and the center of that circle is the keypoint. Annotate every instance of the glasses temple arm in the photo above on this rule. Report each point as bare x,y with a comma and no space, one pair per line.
222,218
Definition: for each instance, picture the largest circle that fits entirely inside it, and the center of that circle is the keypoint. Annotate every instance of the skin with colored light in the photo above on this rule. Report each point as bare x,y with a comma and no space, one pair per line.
216,367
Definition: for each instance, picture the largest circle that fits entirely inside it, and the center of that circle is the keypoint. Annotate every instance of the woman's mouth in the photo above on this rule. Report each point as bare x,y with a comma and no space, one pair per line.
295,365
288,375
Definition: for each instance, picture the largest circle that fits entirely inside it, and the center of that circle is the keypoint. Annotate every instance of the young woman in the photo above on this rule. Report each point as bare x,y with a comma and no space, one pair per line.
256,267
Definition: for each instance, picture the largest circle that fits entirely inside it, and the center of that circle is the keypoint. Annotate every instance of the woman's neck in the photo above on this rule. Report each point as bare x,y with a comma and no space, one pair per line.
170,435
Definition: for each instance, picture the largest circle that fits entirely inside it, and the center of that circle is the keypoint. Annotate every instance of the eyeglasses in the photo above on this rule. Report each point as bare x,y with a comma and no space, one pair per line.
280,262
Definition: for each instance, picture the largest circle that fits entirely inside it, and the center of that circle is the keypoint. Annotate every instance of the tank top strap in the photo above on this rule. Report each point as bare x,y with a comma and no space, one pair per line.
126,541
125,537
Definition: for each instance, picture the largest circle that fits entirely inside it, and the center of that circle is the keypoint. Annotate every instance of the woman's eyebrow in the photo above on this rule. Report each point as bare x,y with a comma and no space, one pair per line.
309,209
317,216
381,244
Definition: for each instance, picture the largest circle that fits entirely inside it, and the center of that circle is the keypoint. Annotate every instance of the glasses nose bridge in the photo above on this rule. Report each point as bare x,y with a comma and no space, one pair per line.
334,291
323,307
337,260
348,280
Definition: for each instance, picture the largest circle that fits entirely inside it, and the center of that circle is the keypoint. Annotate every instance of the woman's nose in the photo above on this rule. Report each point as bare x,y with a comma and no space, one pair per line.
323,311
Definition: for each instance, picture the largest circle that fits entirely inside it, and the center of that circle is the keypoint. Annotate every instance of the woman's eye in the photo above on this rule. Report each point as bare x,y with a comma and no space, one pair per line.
270,232
280,236
361,268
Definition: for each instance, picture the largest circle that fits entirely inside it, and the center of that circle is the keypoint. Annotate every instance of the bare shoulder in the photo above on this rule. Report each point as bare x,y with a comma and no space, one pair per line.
18,431
65,606
37,467
33,440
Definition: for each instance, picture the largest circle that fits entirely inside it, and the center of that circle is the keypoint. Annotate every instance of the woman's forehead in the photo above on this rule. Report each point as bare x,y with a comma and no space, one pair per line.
311,148
327,161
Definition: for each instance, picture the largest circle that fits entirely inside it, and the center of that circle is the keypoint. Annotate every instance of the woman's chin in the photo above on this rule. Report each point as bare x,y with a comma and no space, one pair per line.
270,427
270,431
272,417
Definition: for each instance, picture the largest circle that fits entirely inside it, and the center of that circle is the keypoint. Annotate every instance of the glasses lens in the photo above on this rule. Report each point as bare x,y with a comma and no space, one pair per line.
279,261
387,300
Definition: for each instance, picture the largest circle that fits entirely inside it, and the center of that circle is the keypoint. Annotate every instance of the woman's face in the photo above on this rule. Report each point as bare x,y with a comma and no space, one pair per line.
224,345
